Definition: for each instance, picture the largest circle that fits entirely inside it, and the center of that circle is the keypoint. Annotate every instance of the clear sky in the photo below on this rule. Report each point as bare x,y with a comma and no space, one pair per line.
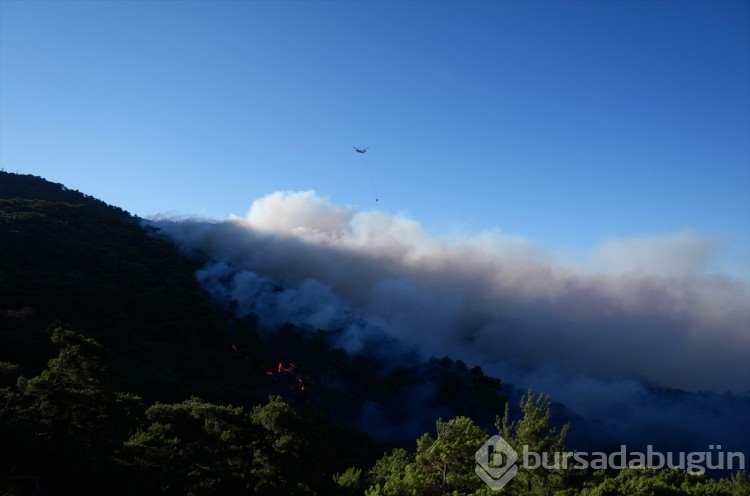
564,122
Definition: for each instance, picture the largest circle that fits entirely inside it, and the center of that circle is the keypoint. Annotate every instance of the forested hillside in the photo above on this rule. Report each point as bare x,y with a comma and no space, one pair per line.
118,375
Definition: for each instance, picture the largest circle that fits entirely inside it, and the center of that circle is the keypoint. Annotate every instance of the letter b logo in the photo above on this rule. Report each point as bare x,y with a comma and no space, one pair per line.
496,462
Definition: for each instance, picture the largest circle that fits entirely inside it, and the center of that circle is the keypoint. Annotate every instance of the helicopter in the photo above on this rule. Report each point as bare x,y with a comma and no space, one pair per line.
364,161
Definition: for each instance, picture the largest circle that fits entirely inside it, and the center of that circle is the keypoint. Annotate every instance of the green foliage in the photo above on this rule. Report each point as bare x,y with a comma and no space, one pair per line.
664,482
441,465
448,459
9,373
534,428
534,432
396,474
350,483
282,452
298,451
67,412
67,430
192,447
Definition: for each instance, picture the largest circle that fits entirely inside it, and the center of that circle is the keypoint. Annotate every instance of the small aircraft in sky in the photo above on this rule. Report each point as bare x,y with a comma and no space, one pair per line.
360,150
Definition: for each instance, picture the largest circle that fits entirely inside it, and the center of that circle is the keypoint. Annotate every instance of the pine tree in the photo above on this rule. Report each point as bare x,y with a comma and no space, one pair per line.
533,433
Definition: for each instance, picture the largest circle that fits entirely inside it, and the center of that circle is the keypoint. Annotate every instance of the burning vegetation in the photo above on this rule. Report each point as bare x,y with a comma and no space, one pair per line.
288,374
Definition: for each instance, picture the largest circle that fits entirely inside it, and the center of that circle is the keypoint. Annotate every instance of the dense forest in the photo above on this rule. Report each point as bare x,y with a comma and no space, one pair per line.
118,375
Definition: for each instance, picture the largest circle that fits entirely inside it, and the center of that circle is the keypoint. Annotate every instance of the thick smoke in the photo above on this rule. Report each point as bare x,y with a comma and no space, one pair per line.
644,311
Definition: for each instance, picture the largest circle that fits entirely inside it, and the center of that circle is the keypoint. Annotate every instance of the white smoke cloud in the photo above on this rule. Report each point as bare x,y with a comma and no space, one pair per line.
678,254
645,308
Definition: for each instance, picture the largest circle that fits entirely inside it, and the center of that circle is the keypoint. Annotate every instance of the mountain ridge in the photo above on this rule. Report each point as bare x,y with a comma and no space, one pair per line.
139,342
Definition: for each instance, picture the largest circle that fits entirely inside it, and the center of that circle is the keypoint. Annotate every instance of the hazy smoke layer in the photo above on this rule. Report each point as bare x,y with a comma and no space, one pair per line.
485,299
644,312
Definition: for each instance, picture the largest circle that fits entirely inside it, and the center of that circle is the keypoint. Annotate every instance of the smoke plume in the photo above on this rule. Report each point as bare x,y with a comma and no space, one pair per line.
643,312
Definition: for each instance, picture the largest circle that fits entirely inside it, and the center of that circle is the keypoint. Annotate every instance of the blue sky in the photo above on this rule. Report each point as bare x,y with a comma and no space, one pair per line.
565,122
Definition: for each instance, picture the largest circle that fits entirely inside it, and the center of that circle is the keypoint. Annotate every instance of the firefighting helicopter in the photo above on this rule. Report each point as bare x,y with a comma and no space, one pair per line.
362,150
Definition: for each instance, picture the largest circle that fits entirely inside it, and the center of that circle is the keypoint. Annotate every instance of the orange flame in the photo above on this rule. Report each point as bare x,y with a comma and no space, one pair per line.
281,369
